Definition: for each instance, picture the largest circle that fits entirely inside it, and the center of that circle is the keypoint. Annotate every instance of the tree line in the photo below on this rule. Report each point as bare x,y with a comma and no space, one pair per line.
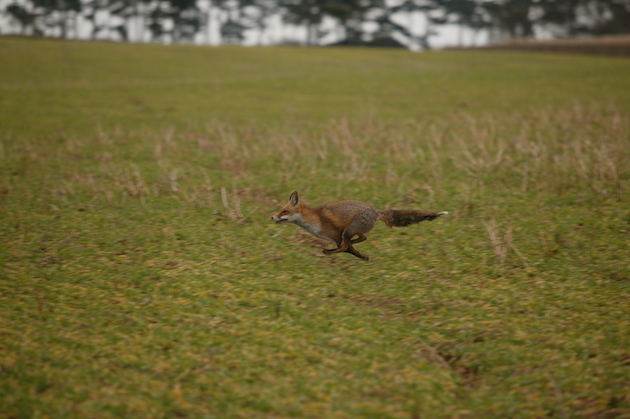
345,22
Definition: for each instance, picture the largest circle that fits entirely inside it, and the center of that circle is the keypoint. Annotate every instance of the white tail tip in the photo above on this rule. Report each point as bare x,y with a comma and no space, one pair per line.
443,213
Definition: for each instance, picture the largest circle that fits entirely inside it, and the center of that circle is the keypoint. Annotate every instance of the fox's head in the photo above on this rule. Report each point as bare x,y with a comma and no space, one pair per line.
291,212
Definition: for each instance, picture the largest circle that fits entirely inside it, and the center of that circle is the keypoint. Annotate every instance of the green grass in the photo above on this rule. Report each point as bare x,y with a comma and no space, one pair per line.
51,87
141,276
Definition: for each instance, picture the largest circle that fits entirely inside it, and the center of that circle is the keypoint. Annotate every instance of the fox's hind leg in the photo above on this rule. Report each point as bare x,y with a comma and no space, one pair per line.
360,224
349,249
346,241
359,239
358,254
346,245
331,251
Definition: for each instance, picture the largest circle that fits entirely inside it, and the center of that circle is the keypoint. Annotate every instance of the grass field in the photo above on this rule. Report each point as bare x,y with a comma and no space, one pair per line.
141,275
617,45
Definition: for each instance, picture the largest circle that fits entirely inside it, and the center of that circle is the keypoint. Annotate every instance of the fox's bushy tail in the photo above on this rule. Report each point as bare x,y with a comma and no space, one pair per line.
403,218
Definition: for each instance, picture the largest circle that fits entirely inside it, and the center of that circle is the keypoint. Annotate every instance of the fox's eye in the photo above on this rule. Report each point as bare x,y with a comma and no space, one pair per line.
285,212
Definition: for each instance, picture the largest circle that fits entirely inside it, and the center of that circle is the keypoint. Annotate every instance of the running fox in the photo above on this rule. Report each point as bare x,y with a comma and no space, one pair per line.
340,221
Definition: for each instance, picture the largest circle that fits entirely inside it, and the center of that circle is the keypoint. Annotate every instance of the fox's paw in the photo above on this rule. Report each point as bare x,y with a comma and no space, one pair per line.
326,251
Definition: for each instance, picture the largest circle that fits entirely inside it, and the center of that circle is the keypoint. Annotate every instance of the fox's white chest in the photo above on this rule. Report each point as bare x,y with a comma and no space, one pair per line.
314,229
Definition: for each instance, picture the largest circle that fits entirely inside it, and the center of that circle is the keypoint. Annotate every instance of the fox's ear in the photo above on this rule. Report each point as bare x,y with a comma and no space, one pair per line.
294,198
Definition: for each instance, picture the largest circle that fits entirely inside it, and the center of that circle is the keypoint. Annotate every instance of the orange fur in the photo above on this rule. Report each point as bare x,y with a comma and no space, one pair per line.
340,222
